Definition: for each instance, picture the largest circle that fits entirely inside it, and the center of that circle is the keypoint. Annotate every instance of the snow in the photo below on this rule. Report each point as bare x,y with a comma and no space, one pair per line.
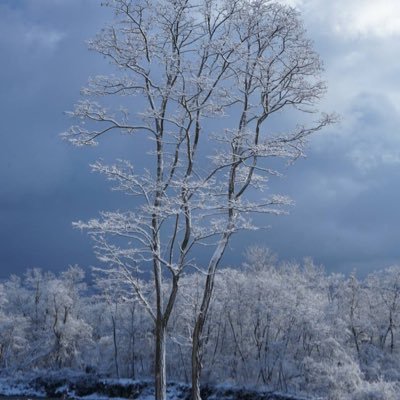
97,396
24,387
10,387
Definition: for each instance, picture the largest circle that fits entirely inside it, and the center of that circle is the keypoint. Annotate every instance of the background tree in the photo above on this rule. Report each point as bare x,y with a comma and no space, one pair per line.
286,326
207,77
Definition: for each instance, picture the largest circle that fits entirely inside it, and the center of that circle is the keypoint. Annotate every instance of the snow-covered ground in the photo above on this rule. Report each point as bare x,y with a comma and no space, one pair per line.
88,387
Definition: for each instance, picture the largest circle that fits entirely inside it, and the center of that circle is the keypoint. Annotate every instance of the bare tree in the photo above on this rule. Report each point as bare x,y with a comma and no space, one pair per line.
207,77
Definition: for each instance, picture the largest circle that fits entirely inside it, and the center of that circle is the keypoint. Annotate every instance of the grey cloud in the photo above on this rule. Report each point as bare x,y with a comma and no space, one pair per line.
346,191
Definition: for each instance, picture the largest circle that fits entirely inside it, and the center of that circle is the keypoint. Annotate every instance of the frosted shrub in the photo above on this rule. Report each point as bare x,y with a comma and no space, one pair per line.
379,390
333,375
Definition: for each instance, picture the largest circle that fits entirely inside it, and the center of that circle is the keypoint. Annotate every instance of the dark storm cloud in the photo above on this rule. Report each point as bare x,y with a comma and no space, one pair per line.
346,192
44,184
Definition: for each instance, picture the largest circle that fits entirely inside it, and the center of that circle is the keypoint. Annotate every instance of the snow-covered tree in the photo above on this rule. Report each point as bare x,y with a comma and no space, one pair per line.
287,326
207,77
13,331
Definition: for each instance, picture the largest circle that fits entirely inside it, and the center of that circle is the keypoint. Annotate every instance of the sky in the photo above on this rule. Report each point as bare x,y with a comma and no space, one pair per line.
346,192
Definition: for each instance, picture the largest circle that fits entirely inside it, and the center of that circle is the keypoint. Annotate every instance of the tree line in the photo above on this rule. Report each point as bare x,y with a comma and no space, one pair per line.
286,326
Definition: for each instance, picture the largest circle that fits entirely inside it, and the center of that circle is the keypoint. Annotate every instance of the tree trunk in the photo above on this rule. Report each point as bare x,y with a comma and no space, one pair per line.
114,326
196,362
160,367
202,315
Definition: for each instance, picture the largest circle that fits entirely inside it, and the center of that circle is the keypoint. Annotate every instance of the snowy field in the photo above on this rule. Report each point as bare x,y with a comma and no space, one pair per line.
57,386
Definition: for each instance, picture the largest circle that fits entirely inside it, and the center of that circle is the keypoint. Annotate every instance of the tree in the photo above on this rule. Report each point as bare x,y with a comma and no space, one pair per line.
384,303
207,76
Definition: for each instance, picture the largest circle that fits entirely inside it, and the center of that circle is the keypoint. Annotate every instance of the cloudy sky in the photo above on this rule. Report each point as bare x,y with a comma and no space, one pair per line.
347,192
